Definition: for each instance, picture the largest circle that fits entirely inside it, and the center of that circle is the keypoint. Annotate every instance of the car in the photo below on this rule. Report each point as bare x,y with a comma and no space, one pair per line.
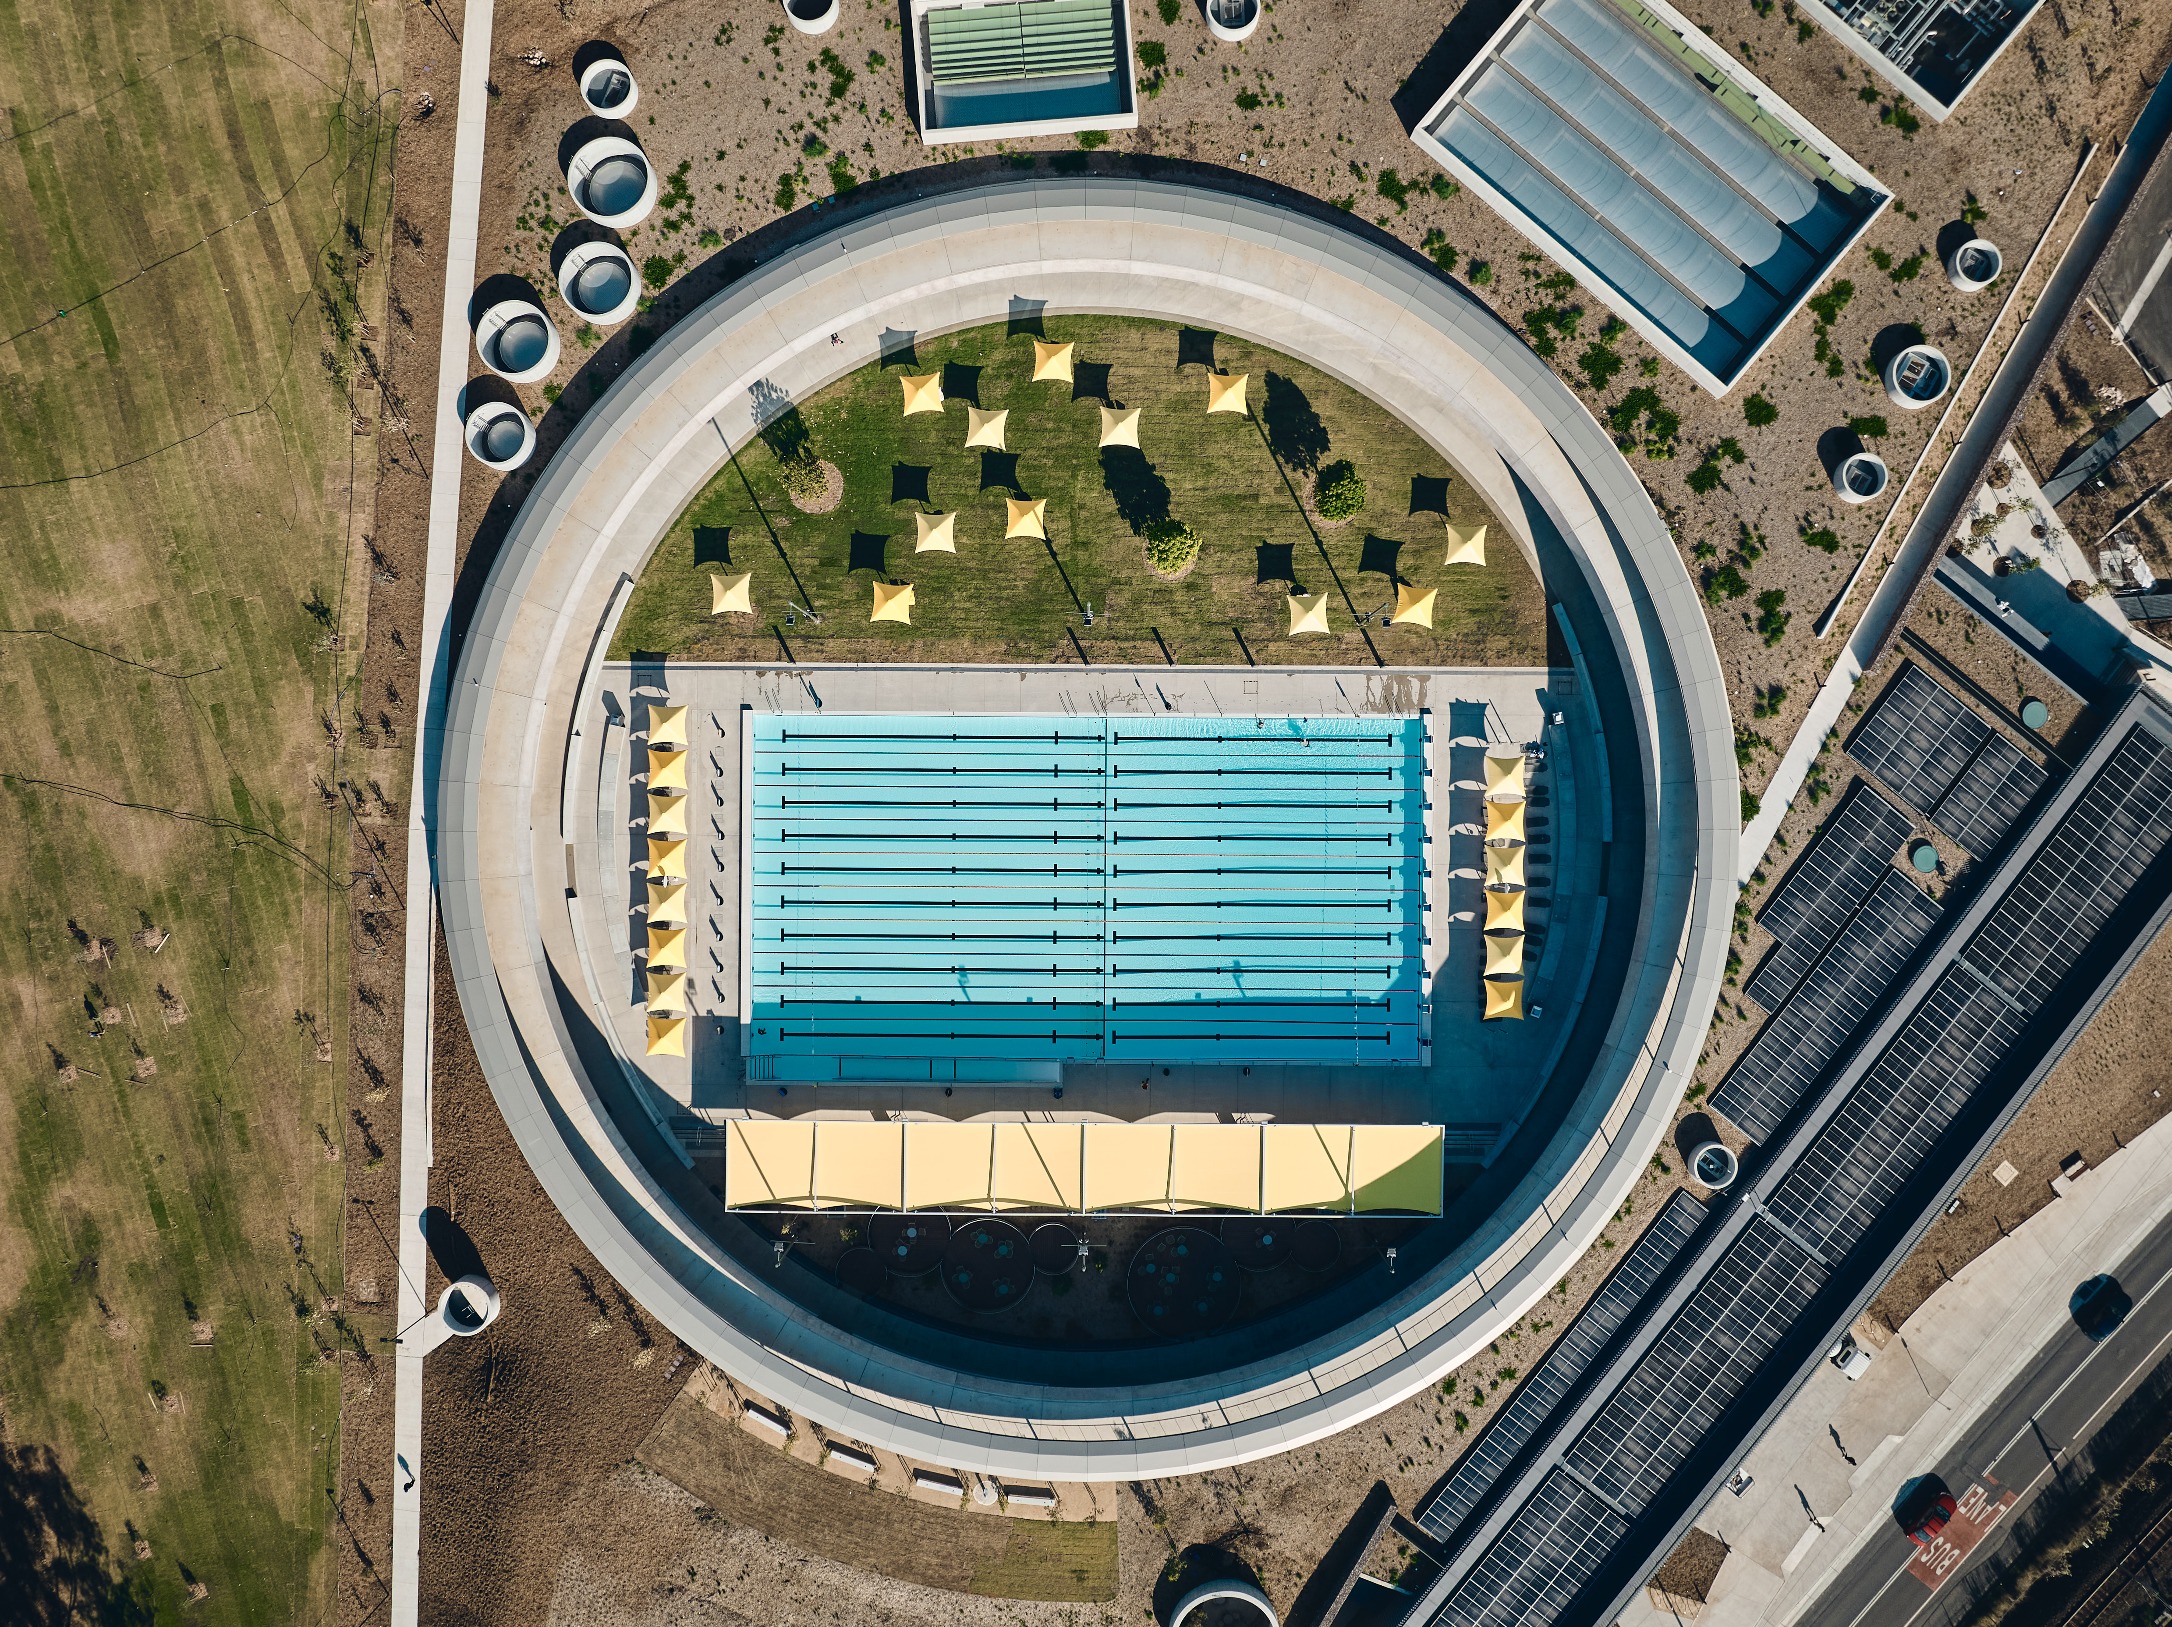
1923,1508
2099,1305
1851,1358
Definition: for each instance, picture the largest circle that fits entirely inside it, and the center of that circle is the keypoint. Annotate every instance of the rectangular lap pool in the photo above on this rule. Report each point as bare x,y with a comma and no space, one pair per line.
985,898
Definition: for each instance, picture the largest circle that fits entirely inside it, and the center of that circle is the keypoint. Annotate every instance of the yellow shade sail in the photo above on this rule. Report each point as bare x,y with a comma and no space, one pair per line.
667,990
667,903
1029,517
1504,998
1504,821
1504,912
1308,613
1051,362
1128,1167
1119,427
935,534
667,770
1395,1168
667,726
769,1162
1504,867
1225,392
859,1164
1037,1166
667,815
985,429
1504,775
731,595
667,857
1466,545
1304,1166
923,392
893,602
667,1036
1214,1166
948,1166
1413,605
1504,955
667,946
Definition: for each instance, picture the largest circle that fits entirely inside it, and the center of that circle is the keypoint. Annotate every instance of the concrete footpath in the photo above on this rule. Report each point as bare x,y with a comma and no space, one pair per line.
1824,1476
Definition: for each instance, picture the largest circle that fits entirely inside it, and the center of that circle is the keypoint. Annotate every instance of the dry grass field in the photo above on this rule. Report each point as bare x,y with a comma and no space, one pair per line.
197,196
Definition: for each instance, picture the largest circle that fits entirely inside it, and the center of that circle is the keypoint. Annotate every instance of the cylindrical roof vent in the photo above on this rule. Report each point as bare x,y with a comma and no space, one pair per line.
468,1306
1233,21
1975,265
517,341
1918,377
598,280
499,435
608,87
1713,1167
811,16
1229,1602
612,181
1860,477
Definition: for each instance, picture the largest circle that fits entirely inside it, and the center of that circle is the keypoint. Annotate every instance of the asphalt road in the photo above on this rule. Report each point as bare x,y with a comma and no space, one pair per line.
2011,1455
2134,283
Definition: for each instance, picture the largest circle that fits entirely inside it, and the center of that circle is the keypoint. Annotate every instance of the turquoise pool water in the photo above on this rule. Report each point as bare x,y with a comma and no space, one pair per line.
987,898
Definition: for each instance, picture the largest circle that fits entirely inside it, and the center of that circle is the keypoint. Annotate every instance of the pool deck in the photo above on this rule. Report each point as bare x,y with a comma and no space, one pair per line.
1485,1073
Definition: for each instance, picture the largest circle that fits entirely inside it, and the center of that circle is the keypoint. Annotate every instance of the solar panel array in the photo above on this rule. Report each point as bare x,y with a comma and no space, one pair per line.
1836,871
1580,1345
1971,780
1950,1045
1807,1033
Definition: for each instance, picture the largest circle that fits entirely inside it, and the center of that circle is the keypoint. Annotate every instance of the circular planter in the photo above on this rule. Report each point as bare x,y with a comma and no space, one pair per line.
517,341
1918,377
1259,1242
608,88
861,1270
910,1245
1975,265
1183,1282
468,1306
612,181
1317,1245
1054,1248
987,1266
1226,1603
499,435
1924,858
812,16
1713,1167
1860,477
1233,21
599,281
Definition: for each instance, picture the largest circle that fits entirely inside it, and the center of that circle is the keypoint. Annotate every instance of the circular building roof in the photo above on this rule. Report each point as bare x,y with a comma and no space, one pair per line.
1284,273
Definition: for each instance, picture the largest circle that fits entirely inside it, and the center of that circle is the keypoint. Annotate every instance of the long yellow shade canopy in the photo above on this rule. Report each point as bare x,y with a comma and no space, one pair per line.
1120,427
1052,362
1308,613
923,392
1225,392
1029,517
985,429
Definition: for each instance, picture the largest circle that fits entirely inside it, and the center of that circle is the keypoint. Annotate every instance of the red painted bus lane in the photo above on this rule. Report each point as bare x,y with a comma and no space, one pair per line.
1977,1510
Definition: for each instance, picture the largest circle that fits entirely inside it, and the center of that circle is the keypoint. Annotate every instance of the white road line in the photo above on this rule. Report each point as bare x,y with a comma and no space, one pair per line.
448,457
2149,287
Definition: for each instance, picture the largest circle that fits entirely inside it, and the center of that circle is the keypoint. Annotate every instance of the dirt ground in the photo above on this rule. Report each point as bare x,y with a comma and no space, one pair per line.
563,1527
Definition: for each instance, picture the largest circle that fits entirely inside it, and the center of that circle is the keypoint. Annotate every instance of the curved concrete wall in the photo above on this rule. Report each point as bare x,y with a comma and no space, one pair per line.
1357,309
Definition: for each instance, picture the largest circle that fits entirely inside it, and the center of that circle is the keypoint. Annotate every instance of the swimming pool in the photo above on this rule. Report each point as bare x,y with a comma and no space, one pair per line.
987,898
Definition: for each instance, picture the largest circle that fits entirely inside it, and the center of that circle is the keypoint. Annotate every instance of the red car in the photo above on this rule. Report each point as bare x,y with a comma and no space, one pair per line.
1924,1513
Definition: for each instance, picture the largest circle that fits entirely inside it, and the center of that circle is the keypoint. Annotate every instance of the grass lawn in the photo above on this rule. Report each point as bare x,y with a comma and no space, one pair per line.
180,305
1235,480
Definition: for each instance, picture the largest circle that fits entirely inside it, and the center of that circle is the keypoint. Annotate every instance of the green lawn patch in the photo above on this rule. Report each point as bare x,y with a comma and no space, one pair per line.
1237,482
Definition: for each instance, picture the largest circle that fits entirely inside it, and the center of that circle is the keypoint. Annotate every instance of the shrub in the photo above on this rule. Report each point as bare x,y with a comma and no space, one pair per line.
1869,427
1170,11
1757,412
1153,54
1171,545
1090,139
802,477
1339,491
1771,619
1443,252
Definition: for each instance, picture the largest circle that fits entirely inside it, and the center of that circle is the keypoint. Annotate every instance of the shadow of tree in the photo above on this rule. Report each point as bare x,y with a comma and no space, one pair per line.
1138,490
54,1568
1294,430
